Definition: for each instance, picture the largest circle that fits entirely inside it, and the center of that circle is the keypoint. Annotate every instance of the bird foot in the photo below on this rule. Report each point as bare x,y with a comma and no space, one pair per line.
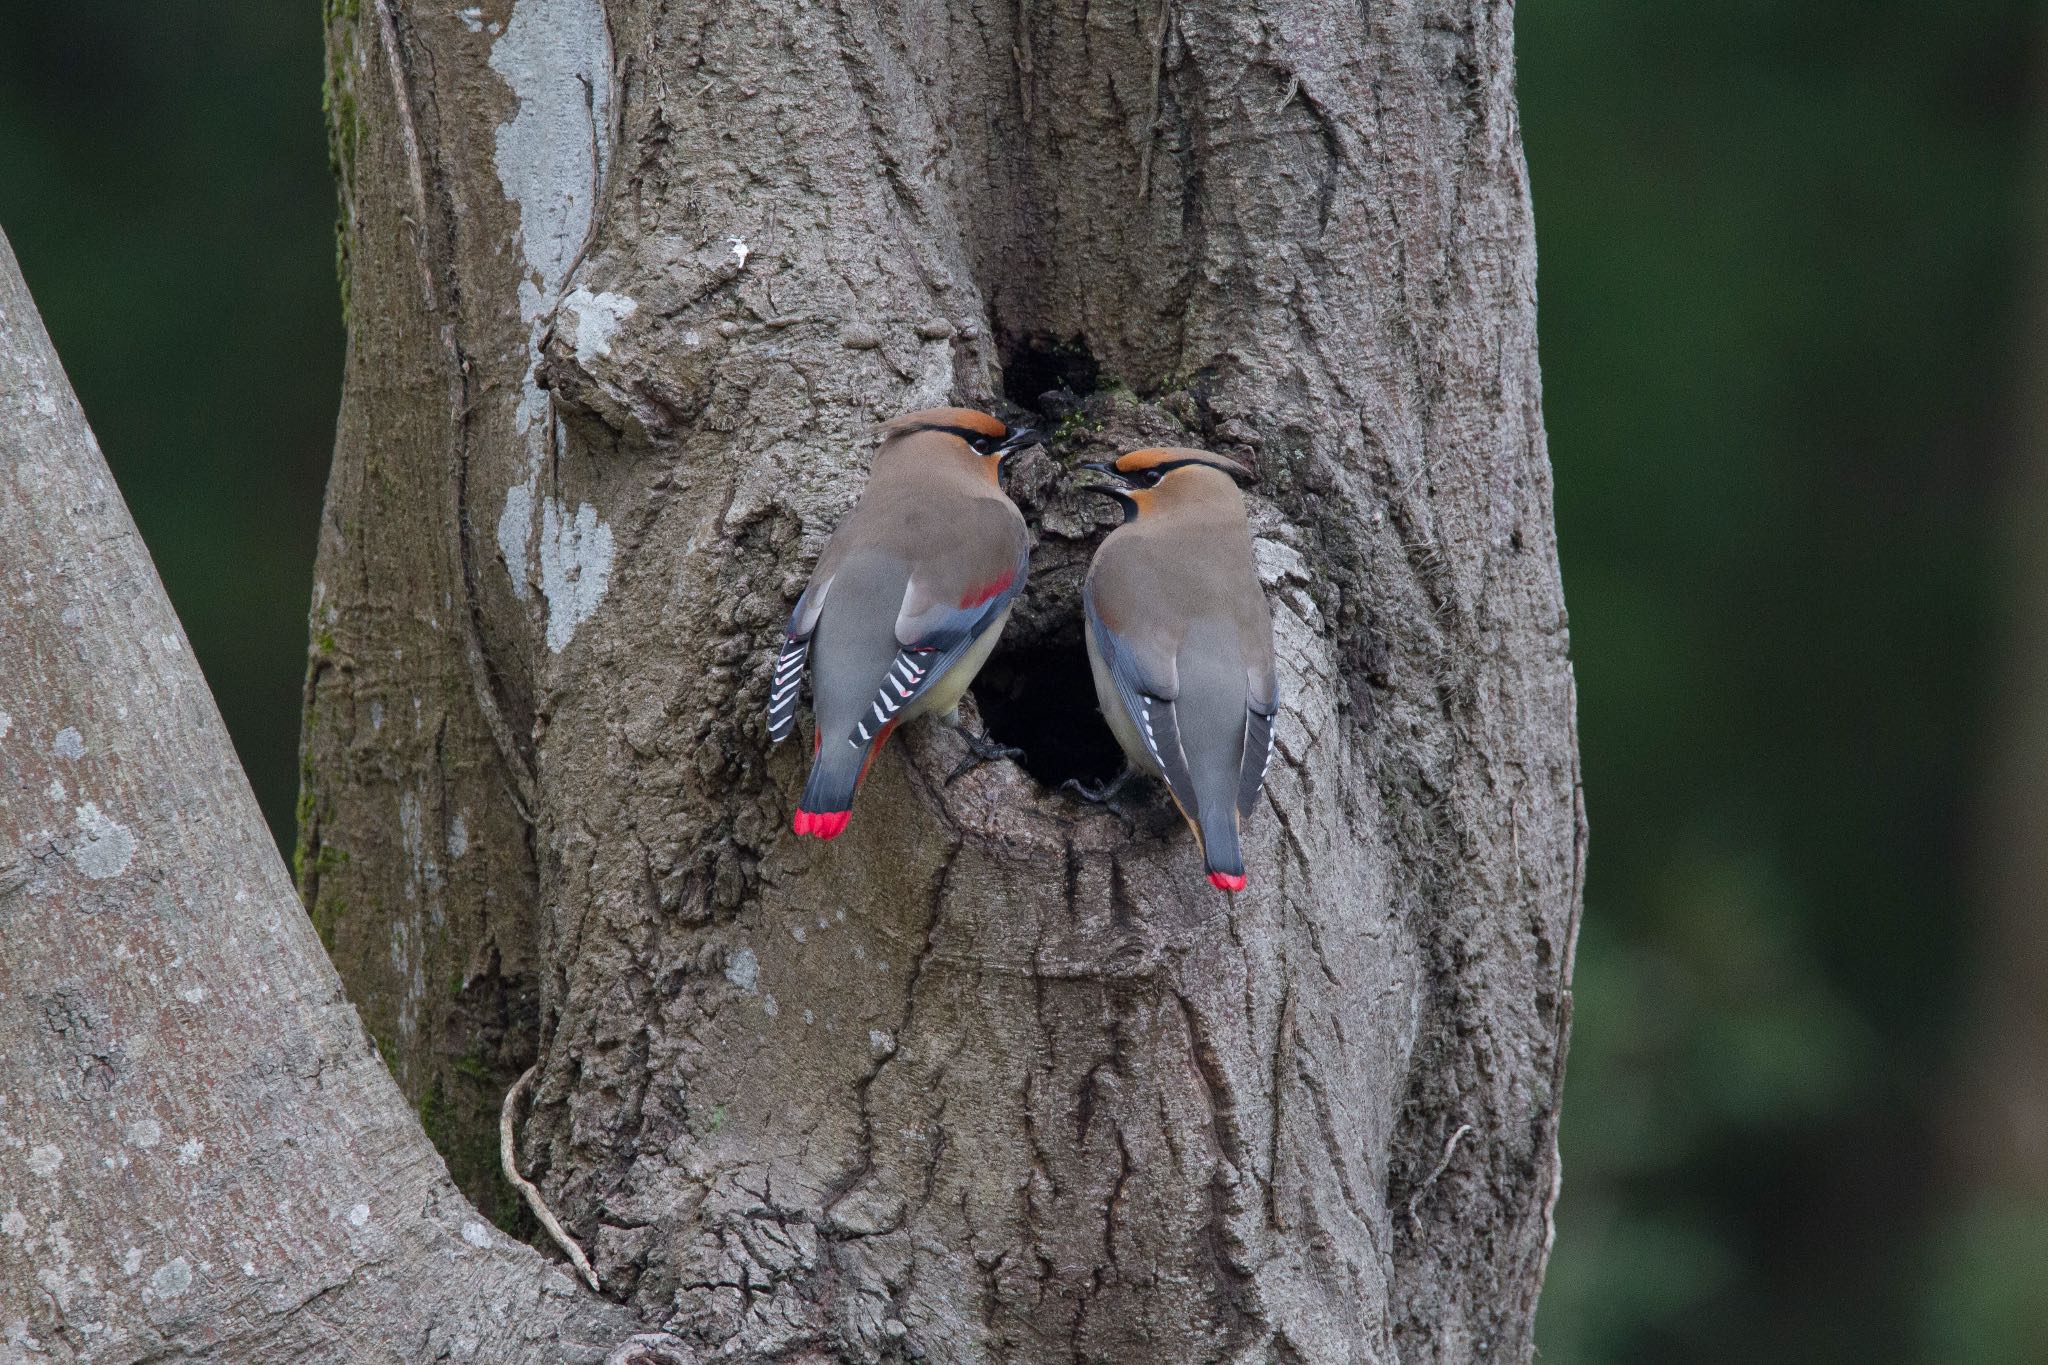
1104,794
980,749
1096,795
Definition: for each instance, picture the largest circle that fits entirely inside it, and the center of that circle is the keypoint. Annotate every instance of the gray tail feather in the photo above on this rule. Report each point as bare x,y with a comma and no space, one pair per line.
835,773
1220,850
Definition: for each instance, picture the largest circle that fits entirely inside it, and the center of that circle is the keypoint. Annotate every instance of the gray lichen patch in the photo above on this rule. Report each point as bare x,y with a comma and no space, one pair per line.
171,1279
102,847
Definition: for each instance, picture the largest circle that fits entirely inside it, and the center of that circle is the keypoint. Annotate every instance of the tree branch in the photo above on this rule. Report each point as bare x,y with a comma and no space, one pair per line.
213,1163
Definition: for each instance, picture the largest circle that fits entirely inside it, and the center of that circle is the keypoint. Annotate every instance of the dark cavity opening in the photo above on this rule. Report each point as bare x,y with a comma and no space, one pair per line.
1039,696
1048,375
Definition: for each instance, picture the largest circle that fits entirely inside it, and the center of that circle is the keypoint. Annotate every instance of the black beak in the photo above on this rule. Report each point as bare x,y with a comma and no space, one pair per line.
1019,439
1118,490
1115,491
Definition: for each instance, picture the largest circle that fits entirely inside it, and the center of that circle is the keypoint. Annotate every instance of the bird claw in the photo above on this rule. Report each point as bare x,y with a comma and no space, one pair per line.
1104,794
980,749
1097,795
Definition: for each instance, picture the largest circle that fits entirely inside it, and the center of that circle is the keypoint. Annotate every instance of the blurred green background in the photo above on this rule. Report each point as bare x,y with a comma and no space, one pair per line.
1788,327
163,178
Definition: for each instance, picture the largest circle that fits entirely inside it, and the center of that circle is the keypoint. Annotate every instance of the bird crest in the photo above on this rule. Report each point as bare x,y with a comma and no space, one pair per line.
1153,463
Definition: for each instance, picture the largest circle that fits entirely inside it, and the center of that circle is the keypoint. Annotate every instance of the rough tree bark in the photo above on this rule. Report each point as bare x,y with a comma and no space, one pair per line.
200,1156
630,283
992,1079
988,1079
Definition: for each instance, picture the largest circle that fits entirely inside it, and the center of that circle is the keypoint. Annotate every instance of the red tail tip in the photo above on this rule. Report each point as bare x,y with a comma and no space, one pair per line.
821,824
1227,881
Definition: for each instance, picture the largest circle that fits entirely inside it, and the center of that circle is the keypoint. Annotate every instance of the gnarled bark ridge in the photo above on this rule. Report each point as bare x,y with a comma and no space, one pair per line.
990,1077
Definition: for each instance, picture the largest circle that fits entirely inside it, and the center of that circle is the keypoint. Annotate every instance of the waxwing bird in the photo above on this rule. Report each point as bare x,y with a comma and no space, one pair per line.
906,602
1181,642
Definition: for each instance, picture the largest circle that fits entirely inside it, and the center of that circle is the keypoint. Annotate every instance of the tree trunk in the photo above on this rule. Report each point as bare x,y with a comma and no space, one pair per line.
989,1078
200,1156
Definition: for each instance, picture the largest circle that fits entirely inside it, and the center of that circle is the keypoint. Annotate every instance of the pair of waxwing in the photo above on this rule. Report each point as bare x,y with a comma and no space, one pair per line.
915,586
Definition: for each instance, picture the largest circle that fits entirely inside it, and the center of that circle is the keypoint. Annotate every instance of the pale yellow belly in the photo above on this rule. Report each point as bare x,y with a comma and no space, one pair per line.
942,698
1121,722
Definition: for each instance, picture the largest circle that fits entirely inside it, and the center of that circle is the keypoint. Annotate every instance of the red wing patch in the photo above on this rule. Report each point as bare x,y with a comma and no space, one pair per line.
977,596
1226,881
